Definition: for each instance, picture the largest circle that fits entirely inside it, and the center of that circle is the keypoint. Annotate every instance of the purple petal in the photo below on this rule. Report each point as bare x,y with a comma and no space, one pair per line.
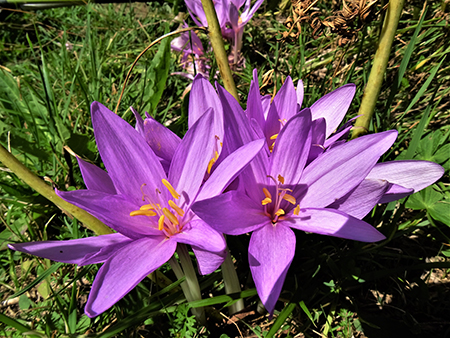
123,271
197,13
361,200
270,254
96,178
229,169
247,15
300,93
395,192
340,169
208,262
139,121
192,156
318,138
199,234
239,133
265,102
231,213
254,105
334,138
292,148
161,139
285,101
233,16
73,251
334,106
283,107
334,223
130,162
411,174
202,97
113,210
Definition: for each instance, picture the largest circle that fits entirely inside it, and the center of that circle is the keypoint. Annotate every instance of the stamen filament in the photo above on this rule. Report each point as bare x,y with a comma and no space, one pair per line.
147,207
171,189
177,209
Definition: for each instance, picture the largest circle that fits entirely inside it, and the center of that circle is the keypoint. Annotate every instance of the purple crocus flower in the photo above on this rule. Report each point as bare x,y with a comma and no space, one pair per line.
327,112
230,20
149,209
193,59
237,21
195,8
279,192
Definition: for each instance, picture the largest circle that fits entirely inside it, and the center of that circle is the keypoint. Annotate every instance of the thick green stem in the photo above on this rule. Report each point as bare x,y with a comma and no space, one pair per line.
45,190
192,282
379,66
215,36
176,268
231,281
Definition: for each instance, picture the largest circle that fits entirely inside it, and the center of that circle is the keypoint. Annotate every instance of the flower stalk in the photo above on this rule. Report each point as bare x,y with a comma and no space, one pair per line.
194,292
216,39
380,62
231,281
45,190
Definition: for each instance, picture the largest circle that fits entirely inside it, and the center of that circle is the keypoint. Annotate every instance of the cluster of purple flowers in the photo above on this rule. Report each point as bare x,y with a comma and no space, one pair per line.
268,170
231,20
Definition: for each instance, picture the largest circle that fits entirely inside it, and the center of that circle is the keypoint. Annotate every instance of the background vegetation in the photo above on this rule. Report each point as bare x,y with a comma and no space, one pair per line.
55,62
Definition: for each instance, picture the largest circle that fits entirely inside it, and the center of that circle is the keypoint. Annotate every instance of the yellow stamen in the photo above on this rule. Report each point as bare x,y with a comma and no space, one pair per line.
212,161
281,179
297,210
273,137
161,222
171,189
265,201
267,193
170,216
290,199
268,198
142,213
280,212
177,209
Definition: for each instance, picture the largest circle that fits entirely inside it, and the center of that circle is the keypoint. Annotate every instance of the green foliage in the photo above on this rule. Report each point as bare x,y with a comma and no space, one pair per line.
183,324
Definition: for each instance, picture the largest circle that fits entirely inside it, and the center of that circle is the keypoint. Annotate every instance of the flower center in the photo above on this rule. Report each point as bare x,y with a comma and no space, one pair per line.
272,206
169,219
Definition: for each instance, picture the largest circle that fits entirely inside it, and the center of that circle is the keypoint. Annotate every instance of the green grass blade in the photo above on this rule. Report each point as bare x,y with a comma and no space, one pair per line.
281,319
39,279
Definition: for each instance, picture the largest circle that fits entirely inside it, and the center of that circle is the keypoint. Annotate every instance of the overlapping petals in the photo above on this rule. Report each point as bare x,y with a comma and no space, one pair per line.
148,208
308,179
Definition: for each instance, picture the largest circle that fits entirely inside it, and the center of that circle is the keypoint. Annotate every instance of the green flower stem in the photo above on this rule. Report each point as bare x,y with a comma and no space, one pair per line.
192,282
45,190
232,285
176,268
379,66
215,36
